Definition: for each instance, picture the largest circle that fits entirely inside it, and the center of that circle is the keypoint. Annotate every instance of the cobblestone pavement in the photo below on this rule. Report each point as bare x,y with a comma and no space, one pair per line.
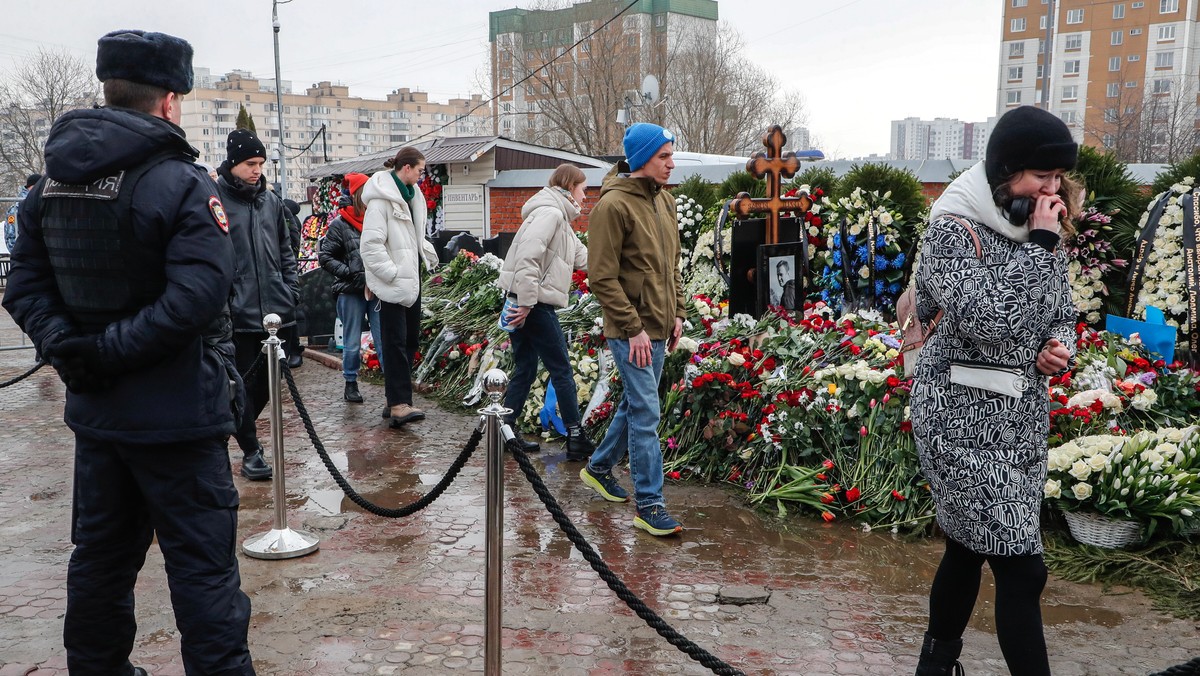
406,595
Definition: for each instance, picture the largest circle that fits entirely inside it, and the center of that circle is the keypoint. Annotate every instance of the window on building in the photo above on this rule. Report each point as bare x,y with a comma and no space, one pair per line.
1020,3
1138,5
1070,92
1074,41
1135,57
1109,141
1015,73
1110,115
1041,46
1135,31
1014,98
1164,60
1040,70
660,20
1074,16
1117,37
1071,67
1068,116
1113,89
632,38
1016,50
1042,22
562,88
1162,87
1119,10
1132,84
1114,63
1166,33
1168,6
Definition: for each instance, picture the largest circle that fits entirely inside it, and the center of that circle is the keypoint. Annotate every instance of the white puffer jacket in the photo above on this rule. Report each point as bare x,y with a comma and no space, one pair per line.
544,252
393,241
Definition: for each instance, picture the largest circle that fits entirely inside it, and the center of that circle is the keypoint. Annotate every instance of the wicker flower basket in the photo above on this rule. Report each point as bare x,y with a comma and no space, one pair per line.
1102,531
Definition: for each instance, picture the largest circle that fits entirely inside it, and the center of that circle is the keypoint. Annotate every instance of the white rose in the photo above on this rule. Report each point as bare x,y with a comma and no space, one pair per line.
1082,491
736,359
1080,470
1097,462
1052,489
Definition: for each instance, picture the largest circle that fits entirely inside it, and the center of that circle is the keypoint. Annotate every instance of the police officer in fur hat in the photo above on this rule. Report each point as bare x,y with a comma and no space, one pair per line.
121,276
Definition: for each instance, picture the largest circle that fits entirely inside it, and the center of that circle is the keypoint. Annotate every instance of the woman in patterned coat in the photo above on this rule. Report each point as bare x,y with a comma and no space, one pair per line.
980,405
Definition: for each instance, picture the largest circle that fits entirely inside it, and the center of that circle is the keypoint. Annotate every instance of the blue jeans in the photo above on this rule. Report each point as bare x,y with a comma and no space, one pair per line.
351,308
634,427
541,336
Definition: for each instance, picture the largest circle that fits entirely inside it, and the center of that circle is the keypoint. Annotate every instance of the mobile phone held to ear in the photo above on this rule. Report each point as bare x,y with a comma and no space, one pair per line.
1019,210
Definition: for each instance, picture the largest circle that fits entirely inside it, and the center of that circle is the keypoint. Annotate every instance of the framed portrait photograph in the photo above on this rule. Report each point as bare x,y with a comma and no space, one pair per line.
780,276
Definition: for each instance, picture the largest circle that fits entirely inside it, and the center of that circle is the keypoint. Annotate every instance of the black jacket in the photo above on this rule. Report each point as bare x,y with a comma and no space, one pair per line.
173,357
339,256
265,280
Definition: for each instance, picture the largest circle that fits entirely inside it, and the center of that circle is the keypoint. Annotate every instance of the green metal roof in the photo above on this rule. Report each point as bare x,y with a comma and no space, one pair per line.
518,20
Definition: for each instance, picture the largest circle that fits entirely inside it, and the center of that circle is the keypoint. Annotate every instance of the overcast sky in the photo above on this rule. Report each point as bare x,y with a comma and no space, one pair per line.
858,63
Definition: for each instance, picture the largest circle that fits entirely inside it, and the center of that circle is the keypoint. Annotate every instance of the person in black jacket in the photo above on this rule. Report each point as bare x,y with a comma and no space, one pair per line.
121,277
265,280
295,353
339,257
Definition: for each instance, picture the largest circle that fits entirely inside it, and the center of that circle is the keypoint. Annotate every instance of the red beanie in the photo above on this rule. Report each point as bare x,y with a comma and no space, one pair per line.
352,182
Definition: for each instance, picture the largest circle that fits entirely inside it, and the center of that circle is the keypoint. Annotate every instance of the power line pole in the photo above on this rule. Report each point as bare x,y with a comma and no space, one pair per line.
279,103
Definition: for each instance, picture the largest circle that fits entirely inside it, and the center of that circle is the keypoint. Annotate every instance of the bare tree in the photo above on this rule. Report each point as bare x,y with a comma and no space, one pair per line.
1151,123
32,97
718,101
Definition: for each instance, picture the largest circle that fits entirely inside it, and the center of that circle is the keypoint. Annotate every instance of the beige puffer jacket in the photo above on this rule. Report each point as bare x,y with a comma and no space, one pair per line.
544,252
393,241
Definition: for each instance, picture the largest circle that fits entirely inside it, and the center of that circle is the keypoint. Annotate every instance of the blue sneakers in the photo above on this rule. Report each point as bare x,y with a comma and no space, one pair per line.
655,521
604,484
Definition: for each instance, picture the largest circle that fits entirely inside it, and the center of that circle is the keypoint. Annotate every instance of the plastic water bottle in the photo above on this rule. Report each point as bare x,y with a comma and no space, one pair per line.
510,304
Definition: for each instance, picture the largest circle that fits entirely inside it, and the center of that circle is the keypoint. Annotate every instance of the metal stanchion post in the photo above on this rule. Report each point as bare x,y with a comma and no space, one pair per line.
494,385
280,542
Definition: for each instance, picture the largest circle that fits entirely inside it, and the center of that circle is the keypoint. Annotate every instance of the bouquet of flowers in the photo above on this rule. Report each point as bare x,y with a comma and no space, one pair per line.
1150,477
700,275
1164,281
1091,260
690,218
865,263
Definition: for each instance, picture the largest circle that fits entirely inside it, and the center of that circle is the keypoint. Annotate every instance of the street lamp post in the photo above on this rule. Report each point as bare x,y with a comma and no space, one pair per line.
282,174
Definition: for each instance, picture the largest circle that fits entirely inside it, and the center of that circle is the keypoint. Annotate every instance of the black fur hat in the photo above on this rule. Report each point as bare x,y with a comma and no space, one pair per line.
155,59
1028,138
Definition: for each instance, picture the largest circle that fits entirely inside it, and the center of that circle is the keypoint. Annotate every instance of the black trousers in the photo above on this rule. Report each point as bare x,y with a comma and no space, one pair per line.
125,494
1019,584
400,329
247,348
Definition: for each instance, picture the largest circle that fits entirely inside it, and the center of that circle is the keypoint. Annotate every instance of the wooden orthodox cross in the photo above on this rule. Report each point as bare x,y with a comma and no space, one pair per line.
775,165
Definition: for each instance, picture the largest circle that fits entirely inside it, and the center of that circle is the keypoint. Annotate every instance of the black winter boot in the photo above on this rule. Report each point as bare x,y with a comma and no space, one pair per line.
579,447
526,445
352,395
940,657
255,467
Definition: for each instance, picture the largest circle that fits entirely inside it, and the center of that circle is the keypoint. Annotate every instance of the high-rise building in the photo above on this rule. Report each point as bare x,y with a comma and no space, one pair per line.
1122,73
585,87
323,124
938,139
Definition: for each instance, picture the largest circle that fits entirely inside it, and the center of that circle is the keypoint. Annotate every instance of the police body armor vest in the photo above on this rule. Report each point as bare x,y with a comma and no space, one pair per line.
104,272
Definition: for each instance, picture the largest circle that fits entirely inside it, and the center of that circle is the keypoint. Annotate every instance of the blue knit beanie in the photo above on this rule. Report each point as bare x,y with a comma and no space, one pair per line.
642,140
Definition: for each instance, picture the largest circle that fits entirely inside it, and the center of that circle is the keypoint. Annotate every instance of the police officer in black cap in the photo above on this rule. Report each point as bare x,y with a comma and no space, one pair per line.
121,276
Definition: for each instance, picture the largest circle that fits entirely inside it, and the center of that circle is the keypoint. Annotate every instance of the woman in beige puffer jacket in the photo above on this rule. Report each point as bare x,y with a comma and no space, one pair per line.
537,275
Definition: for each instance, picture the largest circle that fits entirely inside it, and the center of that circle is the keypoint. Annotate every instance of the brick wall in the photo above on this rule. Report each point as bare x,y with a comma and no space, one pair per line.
505,205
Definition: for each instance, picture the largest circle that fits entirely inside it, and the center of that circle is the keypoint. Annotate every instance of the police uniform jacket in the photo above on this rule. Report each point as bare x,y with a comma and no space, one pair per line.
265,278
170,352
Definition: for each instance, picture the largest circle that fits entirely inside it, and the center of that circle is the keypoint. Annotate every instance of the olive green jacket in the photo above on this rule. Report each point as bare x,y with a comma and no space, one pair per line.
633,257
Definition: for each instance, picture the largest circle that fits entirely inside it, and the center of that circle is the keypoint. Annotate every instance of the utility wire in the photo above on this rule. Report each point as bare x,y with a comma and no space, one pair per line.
530,75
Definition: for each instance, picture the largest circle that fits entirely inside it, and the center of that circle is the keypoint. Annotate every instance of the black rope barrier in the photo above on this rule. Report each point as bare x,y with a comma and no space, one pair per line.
618,587
386,512
1189,668
23,376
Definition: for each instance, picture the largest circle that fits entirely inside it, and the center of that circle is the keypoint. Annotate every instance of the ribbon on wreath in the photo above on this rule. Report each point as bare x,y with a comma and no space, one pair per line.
1141,252
1191,269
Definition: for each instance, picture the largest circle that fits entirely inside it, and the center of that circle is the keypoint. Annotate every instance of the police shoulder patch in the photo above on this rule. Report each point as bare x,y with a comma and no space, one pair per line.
218,212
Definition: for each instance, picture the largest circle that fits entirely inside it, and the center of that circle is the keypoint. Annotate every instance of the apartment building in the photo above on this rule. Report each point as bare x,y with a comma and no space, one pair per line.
352,125
635,45
938,139
1122,73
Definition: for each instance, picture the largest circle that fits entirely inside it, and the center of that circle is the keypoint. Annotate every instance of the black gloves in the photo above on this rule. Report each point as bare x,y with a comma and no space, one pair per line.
80,364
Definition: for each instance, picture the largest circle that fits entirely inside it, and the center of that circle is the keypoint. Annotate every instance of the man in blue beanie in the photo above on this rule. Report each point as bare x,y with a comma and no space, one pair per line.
633,270
121,276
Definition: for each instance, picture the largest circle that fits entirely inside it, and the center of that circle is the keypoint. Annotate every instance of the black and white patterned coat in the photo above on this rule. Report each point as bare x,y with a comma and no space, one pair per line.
985,453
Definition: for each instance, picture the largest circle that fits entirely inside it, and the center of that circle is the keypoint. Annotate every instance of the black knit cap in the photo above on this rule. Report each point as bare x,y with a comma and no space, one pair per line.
155,59
1028,138
32,179
242,145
